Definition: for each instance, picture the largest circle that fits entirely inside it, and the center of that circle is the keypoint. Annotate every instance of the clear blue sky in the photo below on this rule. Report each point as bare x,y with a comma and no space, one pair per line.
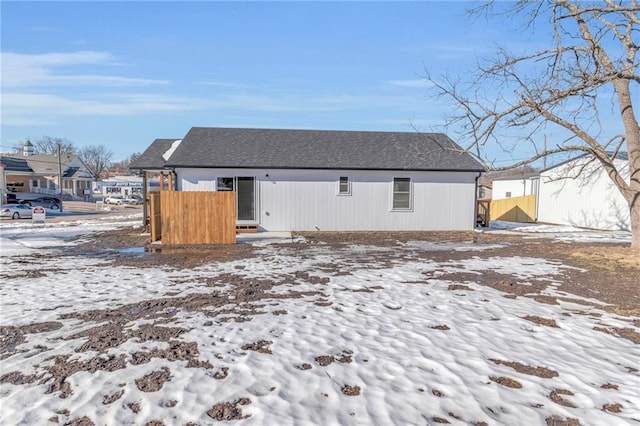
122,74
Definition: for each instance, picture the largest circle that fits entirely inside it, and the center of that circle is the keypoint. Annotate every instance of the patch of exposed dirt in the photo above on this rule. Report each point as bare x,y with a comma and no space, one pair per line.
612,408
12,336
609,386
62,368
556,396
527,369
261,346
611,259
82,421
222,373
351,390
19,378
542,321
625,333
135,407
154,381
454,287
177,351
440,327
562,421
225,411
110,399
325,360
506,381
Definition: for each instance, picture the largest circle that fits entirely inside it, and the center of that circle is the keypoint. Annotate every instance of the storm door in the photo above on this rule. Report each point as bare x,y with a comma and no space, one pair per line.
246,198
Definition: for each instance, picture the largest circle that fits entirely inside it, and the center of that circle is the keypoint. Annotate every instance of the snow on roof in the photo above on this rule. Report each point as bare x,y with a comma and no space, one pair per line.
171,150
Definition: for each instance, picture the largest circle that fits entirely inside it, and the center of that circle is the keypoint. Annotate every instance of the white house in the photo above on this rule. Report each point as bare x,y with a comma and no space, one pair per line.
515,186
579,193
304,180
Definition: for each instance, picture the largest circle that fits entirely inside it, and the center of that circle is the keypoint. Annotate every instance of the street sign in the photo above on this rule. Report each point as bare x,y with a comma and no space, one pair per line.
38,214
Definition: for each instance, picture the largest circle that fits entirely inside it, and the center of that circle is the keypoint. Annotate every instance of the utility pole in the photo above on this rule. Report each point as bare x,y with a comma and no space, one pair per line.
60,176
544,159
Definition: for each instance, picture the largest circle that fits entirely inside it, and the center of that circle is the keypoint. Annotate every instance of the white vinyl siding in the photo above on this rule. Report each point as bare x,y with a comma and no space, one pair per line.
589,200
305,200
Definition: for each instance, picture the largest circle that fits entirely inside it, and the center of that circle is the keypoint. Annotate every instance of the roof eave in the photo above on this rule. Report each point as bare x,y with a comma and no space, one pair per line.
183,166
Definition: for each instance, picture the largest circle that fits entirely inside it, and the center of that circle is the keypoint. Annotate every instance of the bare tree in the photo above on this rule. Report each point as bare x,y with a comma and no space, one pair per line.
124,165
49,145
592,64
96,158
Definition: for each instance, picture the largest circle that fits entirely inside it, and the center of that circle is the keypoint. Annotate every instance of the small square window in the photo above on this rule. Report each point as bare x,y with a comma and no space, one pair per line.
508,194
225,184
344,186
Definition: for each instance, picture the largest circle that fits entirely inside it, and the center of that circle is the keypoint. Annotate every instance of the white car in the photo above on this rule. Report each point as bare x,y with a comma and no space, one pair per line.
118,200
132,201
15,211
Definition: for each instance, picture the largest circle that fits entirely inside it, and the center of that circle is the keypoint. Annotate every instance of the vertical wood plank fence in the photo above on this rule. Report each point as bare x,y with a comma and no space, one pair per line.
516,209
197,217
155,220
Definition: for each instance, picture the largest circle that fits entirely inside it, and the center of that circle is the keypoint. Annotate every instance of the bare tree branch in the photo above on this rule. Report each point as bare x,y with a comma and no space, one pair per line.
513,101
96,158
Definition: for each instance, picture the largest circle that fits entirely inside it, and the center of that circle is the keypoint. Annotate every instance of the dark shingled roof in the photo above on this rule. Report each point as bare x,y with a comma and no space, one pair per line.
151,158
15,165
319,149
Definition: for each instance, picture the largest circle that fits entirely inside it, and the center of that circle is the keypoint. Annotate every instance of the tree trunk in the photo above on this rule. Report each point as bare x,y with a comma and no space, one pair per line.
635,222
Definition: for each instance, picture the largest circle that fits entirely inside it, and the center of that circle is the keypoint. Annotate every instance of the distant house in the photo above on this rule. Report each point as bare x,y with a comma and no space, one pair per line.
29,173
305,180
578,192
515,186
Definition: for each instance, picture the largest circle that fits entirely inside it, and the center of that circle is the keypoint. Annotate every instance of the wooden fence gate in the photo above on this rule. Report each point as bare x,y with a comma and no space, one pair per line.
155,221
516,209
193,217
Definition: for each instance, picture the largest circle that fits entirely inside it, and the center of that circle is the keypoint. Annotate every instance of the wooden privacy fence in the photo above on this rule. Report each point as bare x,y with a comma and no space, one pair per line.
155,221
516,209
193,217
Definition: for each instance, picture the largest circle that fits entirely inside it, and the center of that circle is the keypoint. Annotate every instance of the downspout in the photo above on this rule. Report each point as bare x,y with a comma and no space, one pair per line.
475,203
145,202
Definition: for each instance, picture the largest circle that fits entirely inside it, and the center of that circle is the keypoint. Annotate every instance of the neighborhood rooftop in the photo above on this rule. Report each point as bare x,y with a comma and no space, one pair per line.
152,157
310,149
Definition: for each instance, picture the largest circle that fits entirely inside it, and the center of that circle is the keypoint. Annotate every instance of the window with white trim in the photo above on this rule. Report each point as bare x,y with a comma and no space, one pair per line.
344,186
401,194
225,184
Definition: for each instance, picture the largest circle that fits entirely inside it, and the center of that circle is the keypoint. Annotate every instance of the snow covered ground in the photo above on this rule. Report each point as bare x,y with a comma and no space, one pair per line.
334,341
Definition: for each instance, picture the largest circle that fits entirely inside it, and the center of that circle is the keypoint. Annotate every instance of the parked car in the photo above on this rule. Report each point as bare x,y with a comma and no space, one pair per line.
12,199
46,202
15,211
134,201
115,199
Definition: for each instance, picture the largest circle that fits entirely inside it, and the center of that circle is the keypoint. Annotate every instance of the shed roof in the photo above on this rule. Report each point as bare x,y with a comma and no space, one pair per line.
319,149
622,155
152,158
520,176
